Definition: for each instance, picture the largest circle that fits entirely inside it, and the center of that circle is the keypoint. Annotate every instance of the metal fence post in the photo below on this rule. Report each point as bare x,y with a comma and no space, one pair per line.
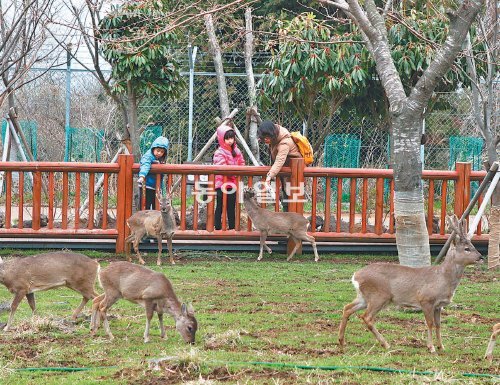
68,99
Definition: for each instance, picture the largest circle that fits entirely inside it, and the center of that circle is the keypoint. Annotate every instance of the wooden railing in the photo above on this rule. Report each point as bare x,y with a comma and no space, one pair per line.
355,205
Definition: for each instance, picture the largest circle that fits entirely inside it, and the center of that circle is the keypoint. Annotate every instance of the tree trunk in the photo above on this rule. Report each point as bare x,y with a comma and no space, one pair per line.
219,69
133,126
411,230
252,93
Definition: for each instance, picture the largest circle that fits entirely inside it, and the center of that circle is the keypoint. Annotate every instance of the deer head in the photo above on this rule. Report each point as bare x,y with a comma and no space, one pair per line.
465,252
186,324
165,201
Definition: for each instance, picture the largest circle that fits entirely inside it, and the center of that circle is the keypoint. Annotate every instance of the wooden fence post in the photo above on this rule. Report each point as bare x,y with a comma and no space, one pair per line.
297,192
462,187
124,199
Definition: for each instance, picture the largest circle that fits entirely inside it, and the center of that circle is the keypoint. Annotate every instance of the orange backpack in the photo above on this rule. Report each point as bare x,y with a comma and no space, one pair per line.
304,147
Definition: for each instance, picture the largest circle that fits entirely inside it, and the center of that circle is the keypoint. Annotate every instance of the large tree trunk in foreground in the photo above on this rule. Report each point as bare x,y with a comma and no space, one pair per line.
411,230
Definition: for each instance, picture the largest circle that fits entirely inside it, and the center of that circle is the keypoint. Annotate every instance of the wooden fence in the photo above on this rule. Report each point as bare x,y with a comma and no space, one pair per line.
93,200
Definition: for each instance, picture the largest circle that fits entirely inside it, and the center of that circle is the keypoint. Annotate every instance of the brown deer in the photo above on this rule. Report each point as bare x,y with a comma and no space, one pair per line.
428,288
147,288
153,223
24,276
292,224
491,345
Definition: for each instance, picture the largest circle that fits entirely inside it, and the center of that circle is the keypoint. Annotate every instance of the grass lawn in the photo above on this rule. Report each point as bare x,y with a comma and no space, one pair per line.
250,313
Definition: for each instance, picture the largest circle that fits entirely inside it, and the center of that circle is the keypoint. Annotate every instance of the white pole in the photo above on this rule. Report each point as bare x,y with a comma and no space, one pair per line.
486,200
5,154
18,145
192,59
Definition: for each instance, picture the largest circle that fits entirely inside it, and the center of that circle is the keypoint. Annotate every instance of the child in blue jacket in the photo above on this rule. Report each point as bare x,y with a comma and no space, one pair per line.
156,154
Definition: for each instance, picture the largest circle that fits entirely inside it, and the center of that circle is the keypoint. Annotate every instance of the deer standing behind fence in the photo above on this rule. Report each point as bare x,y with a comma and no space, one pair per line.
143,286
292,224
153,223
491,344
428,288
24,276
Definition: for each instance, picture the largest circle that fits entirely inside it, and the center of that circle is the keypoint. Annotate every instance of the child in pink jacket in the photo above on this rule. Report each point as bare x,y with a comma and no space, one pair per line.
227,153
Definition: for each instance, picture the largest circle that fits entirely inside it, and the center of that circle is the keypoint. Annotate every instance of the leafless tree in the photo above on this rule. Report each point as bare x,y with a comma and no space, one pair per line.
23,42
484,99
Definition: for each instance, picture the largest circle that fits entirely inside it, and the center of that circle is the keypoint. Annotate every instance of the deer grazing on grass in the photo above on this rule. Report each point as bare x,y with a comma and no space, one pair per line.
428,288
147,288
24,276
292,224
491,345
153,223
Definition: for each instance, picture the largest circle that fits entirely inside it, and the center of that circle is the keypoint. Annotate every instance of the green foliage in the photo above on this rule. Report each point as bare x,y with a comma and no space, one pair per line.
140,51
415,40
309,72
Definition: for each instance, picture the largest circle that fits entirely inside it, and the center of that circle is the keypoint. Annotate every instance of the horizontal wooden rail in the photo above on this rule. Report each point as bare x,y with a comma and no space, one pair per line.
362,200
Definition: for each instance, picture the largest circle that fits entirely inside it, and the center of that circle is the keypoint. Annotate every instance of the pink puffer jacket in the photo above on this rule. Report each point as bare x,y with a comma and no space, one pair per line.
223,155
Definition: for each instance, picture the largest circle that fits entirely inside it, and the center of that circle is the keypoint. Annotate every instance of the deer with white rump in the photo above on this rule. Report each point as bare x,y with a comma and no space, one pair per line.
428,288
24,276
292,224
153,223
143,286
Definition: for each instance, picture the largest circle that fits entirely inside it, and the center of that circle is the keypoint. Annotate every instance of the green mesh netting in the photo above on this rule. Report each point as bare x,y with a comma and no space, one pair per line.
466,149
83,144
342,150
148,136
30,129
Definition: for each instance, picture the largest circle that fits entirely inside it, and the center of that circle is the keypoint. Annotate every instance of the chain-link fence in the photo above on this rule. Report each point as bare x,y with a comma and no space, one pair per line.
44,101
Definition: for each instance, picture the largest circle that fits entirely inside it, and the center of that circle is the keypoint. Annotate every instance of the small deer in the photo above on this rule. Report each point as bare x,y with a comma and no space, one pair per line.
24,276
147,288
292,224
428,288
491,345
153,223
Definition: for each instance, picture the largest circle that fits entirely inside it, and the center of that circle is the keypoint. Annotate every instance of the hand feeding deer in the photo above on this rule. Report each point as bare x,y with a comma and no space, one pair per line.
143,286
24,276
428,288
153,223
292,224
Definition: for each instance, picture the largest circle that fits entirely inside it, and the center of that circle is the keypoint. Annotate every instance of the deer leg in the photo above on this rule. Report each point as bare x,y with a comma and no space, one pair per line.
78,310
136,249
107,302
162,327
349,309
128,240
368,317
13,307
170,253
429,320
150,309
296,242
437,323
31,301
263,236
491,344
95,318
160,248
308,238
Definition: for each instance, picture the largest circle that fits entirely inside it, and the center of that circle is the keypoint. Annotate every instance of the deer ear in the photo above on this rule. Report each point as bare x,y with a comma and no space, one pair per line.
184,309
190,310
